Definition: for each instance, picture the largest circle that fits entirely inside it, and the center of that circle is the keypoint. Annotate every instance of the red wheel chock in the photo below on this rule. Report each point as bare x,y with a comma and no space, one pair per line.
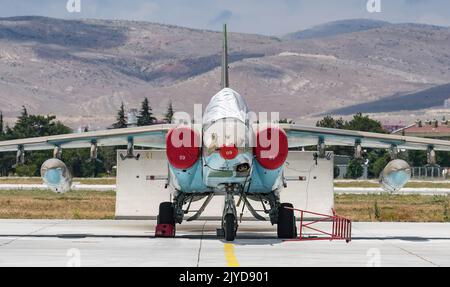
165,230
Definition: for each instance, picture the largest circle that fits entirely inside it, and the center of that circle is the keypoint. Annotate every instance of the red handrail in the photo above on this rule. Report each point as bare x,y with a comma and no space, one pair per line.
341,227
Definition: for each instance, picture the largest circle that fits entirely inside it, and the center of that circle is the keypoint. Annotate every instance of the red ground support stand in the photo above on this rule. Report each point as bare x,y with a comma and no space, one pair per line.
341,228
165,230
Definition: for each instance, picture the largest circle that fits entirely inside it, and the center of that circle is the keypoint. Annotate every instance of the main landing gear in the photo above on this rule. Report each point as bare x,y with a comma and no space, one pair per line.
279,214
286,228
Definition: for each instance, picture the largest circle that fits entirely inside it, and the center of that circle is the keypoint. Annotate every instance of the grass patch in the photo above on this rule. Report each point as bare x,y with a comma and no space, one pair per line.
373,184
393,208
37,204
38,180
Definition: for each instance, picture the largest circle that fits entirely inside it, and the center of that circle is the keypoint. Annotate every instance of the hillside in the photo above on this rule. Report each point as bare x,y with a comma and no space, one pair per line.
429,98
336,28
81,70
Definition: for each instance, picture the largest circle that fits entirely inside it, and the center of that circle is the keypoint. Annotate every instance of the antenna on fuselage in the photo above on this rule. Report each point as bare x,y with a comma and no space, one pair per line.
225,80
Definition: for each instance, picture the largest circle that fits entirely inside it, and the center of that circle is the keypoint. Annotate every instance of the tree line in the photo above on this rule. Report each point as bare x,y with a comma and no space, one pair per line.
78,160
145,116
378,158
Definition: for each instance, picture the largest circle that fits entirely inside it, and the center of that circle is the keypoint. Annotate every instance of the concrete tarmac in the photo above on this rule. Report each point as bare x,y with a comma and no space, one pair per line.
131,243
337,190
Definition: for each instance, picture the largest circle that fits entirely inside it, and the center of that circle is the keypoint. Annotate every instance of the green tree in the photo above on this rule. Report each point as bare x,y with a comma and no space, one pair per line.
145,117
121,119
330,122
443,158
364,124
26,170
2,128
77,160
28,126
378,159
286,121
168,117
6,160
417,157
355,169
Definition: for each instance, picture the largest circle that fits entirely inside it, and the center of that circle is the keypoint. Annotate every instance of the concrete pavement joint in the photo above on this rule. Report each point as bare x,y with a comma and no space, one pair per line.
201,241
418,256
384,242
29,234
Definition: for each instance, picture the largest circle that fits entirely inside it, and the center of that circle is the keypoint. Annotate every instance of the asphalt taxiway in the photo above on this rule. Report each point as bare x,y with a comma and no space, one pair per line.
131,243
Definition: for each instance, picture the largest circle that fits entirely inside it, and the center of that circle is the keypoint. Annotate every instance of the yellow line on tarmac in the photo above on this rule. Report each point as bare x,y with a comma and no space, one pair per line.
230,256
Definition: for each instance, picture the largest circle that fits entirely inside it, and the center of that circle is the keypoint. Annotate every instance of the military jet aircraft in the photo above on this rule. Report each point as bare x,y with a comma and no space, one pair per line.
228,154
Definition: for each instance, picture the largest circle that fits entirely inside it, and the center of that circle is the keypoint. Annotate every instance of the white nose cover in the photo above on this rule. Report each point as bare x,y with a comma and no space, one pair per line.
224,105
227,132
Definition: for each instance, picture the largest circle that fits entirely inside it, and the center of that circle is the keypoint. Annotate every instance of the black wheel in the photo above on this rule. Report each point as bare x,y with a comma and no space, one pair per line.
286,222
166,213
230,227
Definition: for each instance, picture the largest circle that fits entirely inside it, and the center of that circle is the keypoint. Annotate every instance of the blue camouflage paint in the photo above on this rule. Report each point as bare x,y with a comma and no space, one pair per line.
265,180
189,180
200,177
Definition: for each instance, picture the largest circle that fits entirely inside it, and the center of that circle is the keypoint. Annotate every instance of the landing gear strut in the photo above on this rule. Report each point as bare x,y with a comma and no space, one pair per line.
229,218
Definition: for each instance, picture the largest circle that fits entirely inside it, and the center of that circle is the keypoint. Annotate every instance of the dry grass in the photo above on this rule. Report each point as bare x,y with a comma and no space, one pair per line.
101,205
112,181
38,180
395,208
48,205
412,184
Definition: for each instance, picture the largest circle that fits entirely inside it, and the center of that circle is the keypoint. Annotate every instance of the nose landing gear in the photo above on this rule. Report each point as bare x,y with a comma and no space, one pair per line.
229,227
229,219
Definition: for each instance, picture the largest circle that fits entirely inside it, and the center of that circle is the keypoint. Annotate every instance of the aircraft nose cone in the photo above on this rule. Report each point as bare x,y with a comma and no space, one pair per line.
228,152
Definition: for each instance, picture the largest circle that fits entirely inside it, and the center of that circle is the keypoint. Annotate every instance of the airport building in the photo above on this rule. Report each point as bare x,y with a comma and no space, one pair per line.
428,129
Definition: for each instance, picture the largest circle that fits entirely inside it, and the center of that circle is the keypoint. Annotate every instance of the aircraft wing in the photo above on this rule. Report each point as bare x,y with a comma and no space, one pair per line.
301,136
148,136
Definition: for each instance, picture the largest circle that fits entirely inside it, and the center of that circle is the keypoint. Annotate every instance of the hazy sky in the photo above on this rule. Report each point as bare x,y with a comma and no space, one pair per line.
270,17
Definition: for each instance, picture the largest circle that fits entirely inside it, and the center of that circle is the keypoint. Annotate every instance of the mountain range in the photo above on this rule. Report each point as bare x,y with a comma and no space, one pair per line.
81,70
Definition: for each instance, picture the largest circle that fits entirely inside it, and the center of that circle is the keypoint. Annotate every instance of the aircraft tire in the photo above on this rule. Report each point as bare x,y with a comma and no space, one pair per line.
230,227
166,213
286,222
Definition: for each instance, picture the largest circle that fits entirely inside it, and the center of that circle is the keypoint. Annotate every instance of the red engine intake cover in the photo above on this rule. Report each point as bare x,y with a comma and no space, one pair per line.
229,152
271,148
182,147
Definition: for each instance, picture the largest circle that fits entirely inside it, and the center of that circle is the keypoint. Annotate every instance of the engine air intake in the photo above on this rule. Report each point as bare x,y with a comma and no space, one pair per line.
271,148
182,147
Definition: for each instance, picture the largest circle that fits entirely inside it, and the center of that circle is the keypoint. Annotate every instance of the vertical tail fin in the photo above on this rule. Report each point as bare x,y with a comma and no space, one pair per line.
225,80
